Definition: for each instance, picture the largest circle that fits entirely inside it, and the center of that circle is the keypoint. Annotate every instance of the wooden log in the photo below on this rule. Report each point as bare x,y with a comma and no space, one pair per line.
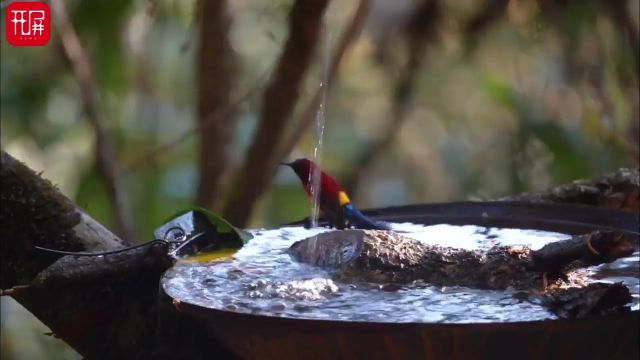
35,213
587,250
388,257
593,299
103,306
617,190
385,256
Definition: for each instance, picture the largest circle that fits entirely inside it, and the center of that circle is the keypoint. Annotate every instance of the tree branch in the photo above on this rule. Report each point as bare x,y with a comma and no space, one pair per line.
104,307
280,97
348,37
215,74
35,213
105,154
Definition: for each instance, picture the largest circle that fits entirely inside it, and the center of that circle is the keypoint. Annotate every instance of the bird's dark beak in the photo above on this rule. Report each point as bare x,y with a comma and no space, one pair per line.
285,164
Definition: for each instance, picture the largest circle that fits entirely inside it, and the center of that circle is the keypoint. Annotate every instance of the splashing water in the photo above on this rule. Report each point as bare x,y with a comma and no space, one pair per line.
314,176
262,279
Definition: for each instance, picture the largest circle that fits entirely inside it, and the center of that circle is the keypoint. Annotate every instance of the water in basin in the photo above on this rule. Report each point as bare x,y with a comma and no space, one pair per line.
261,278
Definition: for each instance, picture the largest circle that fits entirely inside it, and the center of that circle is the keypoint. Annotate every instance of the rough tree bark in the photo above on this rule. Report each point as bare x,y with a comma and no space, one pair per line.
35,213
391,259
386,256
104,307
617,190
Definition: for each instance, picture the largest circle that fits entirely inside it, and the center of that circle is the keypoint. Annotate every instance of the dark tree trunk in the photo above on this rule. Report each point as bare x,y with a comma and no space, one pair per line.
215,74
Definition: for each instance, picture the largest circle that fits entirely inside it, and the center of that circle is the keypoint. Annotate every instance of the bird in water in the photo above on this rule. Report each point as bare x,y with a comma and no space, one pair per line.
335,205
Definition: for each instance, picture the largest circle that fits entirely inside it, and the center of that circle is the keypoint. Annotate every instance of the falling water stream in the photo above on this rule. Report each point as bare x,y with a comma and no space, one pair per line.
314,176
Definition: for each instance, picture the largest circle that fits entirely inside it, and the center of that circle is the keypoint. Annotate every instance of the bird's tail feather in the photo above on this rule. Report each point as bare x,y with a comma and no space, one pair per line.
360,221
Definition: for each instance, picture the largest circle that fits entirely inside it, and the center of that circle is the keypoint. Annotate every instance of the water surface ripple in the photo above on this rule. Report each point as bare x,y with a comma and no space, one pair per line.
263,279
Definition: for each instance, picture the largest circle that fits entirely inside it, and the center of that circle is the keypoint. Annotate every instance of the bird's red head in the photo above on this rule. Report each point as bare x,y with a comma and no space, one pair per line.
329,187
302,168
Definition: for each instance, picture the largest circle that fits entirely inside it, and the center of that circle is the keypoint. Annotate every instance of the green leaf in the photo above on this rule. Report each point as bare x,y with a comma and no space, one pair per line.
222,225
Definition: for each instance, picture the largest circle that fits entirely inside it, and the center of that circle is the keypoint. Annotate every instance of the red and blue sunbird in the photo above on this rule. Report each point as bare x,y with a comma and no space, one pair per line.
335,205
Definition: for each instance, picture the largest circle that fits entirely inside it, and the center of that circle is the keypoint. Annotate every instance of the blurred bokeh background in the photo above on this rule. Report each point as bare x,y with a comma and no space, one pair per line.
432,101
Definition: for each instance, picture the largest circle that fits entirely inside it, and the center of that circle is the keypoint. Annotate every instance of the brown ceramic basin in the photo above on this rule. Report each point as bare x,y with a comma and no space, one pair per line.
599,337
263,337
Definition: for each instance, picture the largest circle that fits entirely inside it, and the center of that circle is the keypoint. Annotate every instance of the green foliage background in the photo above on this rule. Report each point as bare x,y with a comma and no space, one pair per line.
531,103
